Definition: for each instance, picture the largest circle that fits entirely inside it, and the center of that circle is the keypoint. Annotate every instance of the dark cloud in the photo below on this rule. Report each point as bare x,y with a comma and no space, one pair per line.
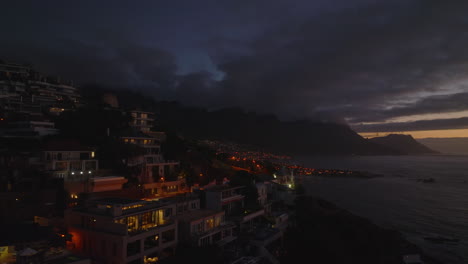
438,124
361,60
429,105
113,61
353,61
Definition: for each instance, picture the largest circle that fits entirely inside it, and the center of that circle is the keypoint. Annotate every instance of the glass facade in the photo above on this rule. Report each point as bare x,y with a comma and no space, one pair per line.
143,221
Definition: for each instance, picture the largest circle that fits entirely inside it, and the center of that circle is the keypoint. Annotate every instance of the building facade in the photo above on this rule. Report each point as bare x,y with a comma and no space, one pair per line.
151,163
116,230
142,120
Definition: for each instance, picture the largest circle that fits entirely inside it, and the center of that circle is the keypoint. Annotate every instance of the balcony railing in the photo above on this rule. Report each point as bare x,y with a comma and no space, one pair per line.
166,223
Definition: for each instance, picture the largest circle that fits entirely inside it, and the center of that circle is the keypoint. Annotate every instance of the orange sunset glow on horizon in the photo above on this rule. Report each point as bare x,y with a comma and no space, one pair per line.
447,133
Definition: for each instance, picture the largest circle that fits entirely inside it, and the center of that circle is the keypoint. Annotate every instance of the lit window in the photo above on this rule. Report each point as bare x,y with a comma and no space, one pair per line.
92,154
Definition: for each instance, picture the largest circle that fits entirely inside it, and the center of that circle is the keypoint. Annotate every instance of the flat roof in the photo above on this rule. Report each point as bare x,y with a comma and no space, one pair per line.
117,200
107,178
181,197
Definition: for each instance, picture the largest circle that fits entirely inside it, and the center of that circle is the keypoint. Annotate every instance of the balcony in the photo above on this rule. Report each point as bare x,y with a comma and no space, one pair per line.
220,228
166,223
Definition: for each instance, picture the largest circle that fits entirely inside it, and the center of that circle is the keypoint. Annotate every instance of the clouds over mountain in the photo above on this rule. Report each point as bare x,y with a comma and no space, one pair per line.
360,61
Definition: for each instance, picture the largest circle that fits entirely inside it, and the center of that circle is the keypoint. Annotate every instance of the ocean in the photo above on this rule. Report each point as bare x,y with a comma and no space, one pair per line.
400,199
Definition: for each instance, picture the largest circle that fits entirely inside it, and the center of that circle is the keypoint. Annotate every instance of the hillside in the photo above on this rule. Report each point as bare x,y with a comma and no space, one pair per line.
403,143
264,131
268,132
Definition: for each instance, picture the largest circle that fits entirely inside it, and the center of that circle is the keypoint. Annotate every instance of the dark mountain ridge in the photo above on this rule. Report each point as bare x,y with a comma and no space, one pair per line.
265,131
404,143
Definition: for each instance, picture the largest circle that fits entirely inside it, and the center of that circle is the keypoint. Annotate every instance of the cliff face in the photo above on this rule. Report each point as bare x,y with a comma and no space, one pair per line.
403,143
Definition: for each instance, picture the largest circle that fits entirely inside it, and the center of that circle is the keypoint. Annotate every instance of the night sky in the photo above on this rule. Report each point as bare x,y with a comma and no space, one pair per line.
378,65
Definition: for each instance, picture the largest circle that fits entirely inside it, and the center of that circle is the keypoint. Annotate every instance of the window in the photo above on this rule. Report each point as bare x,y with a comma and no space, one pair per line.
168,236
217,220
148,220
133,248
61,165
194,205
84,155
75,165
167,212
132,223
151,242
209,223
90,165
197,228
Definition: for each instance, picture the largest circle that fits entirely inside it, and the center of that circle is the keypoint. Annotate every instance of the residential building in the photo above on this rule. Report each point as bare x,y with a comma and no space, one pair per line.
142,120
164,188
105,184
205,227
29,129
262,193
117,230
69,160
231,201
24,90
153,167
226,198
